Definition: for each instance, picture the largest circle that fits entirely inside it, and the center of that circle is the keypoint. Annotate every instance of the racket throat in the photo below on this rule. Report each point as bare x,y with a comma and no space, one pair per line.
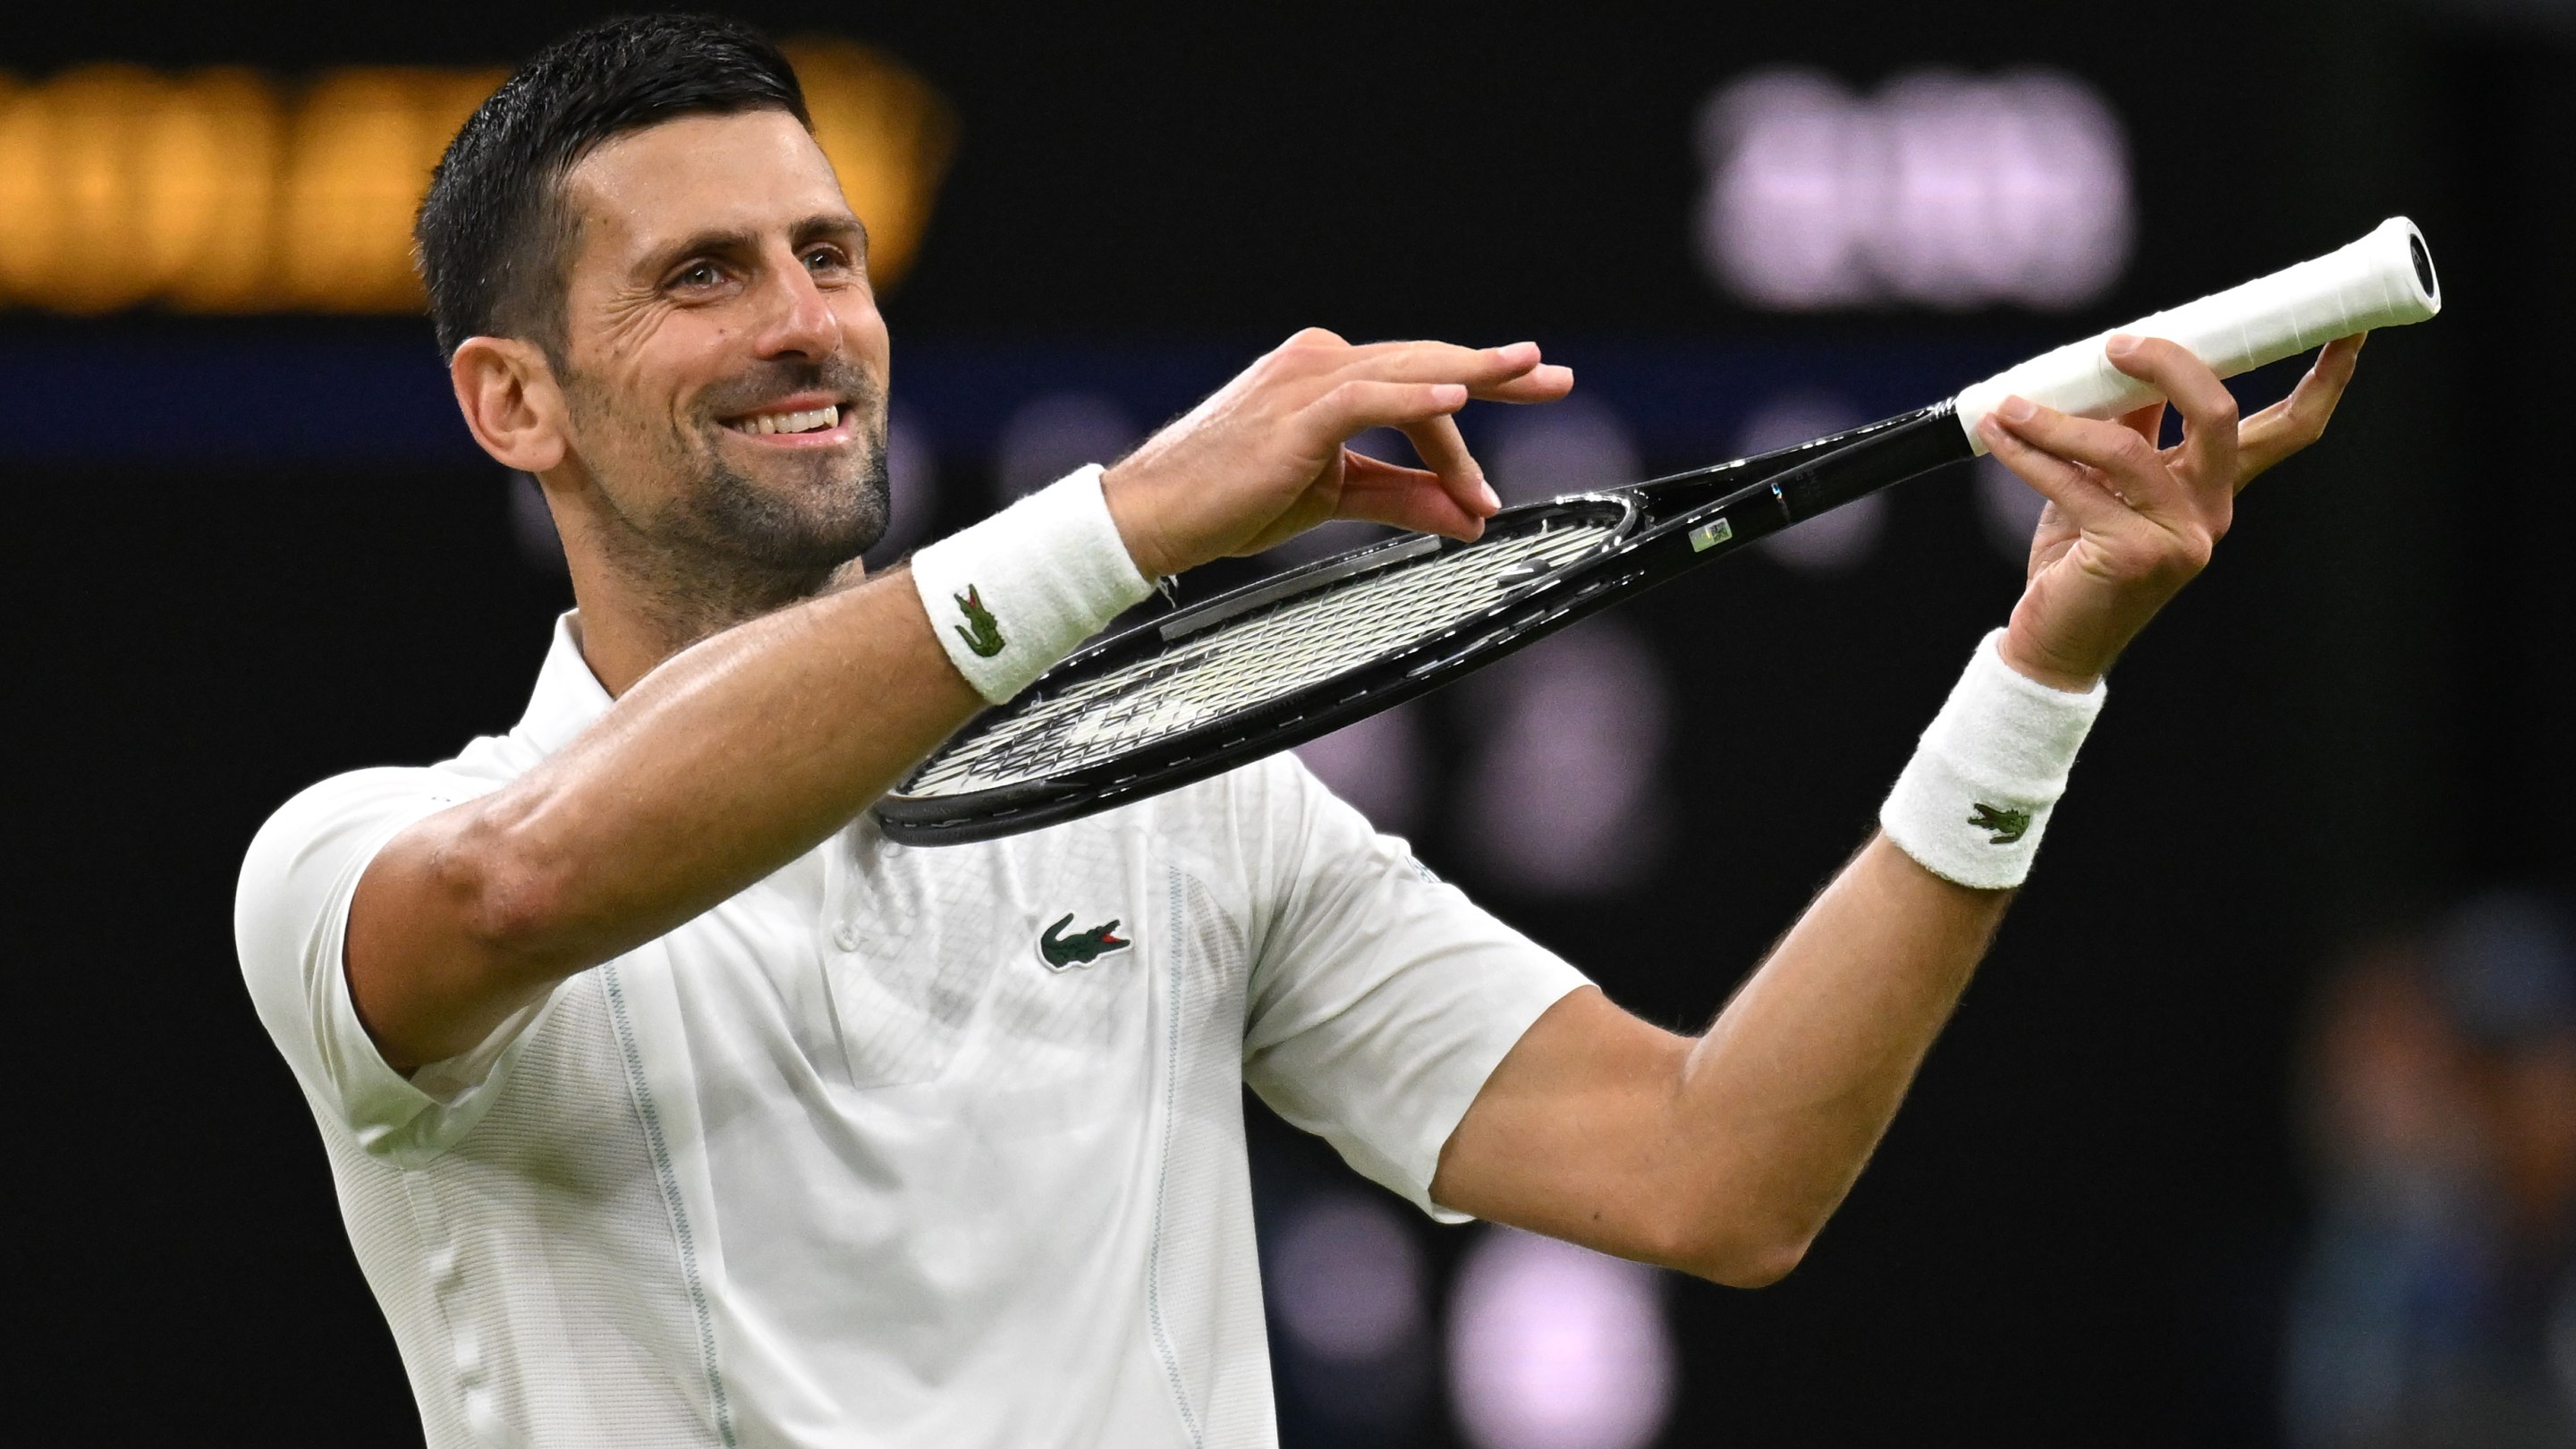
1897,450
1928,440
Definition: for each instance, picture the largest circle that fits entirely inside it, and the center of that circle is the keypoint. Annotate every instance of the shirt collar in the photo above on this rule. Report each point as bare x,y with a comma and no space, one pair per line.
568,696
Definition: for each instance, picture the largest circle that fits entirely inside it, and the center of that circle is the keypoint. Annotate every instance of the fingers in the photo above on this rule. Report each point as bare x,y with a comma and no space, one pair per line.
1445,452
1379,492
1435,362
2076,493
1265,456
1358,404
2299,419
2208,409
1544,383
2127,471
1423,411
1511,373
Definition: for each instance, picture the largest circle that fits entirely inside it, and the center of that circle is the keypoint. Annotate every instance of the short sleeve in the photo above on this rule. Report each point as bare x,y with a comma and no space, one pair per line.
290,922
1381,997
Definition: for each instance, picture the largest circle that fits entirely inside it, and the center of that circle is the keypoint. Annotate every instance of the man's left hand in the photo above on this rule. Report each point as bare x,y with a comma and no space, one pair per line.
2127,523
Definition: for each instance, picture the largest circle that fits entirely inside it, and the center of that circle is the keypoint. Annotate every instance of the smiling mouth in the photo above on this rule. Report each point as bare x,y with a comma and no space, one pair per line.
802,420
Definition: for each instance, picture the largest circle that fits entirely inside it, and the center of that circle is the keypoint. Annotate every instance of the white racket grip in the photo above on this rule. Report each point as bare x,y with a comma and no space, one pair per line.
2383,280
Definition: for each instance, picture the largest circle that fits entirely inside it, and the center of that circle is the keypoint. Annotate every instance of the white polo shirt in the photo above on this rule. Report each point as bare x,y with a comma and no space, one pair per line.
936,1147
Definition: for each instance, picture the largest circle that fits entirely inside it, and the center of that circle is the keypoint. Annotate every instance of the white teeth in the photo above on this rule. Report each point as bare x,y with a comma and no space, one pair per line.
810,420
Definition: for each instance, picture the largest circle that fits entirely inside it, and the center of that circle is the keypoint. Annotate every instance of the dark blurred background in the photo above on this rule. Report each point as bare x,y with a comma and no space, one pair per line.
2260,1125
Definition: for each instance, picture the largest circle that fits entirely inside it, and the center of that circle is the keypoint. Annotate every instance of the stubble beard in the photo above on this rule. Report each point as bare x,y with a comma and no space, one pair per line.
724,546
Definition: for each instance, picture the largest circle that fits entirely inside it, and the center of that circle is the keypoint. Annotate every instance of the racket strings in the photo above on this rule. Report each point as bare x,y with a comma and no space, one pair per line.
1254,659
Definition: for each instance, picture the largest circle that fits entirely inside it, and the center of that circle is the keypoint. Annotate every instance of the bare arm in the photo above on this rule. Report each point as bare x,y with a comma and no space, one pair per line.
737,755
1725,1154
729,760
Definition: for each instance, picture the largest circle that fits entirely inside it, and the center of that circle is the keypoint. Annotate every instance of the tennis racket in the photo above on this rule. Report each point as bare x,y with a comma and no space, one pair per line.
1209,687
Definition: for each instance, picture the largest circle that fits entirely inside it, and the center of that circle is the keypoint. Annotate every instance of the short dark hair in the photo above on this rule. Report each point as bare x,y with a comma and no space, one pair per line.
492,237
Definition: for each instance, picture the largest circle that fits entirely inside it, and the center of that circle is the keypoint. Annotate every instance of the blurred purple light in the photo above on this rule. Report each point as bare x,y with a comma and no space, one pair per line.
1347,1279
1793,188
1829,542
1052,435
1941,190
912,487
1559,793
1575,446
1387,445
1552,1346
1376,764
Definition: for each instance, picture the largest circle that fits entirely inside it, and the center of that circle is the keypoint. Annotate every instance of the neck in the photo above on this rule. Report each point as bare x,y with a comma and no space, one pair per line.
643,600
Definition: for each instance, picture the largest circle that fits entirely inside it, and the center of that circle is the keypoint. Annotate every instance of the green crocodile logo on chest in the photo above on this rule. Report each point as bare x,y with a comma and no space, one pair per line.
1062,952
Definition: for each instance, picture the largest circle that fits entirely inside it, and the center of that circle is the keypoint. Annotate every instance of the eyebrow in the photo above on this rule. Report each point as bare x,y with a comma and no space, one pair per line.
822,224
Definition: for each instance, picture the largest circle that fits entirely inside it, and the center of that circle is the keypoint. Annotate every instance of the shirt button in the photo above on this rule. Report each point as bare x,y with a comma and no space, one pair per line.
846,937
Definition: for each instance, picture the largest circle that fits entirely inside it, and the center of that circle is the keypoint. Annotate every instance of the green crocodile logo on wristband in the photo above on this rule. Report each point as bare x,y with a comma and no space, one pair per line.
2008,825
980,632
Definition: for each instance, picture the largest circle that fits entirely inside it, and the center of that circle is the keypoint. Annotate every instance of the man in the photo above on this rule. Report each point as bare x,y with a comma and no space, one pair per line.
670,1103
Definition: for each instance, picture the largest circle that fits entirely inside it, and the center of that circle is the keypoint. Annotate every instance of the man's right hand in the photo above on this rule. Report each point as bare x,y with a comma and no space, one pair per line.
1263,459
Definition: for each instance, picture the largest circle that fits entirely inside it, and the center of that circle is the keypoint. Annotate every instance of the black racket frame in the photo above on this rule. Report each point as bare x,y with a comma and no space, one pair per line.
1664,529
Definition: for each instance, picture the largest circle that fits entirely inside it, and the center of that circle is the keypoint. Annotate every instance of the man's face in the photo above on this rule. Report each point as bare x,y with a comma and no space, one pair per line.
726,361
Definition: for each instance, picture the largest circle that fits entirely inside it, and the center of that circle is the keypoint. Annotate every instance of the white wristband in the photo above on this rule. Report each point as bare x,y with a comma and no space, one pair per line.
1975,799
1022,589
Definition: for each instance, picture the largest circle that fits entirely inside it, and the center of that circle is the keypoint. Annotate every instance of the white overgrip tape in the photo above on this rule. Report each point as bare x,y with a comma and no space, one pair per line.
1013,594
1974,801
2383,280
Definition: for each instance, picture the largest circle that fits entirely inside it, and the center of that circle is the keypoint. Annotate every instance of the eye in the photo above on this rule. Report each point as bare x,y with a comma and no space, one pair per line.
826,259
698,275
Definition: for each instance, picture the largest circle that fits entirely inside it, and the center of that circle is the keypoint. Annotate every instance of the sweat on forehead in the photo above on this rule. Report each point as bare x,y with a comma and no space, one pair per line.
490,238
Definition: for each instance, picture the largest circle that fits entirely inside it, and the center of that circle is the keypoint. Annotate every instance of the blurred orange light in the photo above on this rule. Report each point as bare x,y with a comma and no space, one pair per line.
361,150
888,134
224,191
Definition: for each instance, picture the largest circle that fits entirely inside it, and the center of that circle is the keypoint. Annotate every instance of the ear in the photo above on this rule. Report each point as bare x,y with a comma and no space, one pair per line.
510,399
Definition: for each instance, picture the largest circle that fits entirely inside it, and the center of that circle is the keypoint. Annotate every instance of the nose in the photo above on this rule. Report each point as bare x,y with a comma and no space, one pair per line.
798,320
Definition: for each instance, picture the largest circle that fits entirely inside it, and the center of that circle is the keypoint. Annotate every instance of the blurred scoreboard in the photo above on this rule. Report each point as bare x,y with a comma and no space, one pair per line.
228,190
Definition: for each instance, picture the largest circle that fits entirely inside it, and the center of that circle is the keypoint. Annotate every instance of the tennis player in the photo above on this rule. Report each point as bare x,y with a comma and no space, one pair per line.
671,1104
